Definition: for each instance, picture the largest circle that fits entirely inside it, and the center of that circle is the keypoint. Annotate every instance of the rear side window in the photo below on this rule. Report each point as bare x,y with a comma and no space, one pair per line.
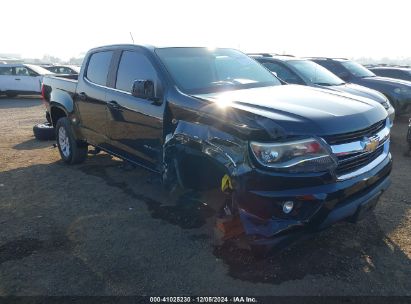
6,71
98,67
133,66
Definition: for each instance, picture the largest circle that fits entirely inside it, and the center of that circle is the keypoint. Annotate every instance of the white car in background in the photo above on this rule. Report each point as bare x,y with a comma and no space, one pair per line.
21,79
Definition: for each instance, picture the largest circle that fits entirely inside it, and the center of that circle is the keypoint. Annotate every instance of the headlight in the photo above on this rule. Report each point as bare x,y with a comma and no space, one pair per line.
402,91
386,104
306,155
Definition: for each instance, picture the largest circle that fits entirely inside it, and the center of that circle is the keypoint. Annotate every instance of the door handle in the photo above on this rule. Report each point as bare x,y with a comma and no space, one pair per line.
17,79
82,96
114,105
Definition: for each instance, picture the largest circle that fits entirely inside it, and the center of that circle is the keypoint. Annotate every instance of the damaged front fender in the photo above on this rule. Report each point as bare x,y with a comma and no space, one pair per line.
203,140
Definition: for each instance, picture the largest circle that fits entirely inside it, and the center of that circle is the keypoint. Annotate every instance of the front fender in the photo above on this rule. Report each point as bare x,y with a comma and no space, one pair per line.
207,141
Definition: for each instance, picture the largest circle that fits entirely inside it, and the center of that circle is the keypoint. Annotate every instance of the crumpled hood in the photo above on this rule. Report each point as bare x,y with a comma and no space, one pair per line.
359,91
302,110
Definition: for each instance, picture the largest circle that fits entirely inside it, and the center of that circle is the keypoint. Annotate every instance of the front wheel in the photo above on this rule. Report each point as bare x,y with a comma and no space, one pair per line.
71,150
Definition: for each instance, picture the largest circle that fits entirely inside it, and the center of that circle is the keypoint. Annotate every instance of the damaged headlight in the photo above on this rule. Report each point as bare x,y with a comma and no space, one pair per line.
306,155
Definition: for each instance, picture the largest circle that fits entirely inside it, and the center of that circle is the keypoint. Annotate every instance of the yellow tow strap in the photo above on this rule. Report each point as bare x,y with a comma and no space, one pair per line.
226,183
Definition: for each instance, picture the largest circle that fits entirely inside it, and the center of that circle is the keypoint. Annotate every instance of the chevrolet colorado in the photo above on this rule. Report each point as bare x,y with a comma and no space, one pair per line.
295,159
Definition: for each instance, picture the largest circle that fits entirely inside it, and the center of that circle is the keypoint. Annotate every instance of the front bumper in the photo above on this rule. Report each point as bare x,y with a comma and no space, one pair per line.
320,201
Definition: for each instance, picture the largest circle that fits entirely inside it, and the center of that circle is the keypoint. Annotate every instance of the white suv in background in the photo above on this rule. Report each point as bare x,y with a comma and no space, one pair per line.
21,79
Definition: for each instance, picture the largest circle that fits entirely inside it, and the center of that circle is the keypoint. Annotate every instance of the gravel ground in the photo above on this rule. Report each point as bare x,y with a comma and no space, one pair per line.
101,228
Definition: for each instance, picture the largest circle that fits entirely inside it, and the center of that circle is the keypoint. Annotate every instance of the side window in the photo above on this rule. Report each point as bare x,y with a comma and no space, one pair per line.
6,71
31,72
22,71
133,66
282,72
98,67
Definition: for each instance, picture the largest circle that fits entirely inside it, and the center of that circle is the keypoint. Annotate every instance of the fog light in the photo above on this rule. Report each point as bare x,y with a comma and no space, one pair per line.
288,207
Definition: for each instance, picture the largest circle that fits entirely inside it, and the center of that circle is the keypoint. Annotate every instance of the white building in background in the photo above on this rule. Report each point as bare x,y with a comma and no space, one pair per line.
4,59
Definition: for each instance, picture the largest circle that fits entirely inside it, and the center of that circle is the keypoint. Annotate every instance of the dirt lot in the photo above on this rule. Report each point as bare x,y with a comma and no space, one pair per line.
102,229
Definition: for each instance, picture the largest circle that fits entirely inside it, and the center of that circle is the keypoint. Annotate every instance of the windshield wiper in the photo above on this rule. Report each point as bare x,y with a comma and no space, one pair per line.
323,83
224,82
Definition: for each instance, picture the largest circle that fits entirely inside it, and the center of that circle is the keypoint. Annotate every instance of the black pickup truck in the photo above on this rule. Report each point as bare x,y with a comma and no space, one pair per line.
294,159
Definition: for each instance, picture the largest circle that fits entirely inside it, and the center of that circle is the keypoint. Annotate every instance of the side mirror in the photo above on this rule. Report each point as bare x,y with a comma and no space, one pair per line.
144,89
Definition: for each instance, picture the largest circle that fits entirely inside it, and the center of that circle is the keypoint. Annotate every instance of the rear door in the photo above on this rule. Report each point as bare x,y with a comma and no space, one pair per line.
135,125
27,80
90,98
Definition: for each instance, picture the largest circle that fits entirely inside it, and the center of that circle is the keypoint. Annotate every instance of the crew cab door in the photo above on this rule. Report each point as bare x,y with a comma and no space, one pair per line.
135,125
90,98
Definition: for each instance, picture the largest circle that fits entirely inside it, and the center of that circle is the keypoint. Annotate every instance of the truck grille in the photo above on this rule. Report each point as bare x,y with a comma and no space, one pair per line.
355,136
353,152
351,163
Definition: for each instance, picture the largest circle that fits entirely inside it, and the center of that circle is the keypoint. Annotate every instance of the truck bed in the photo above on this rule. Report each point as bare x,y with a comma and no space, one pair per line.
67,83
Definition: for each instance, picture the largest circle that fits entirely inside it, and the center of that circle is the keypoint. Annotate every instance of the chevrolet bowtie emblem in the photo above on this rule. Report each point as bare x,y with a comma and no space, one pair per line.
370,144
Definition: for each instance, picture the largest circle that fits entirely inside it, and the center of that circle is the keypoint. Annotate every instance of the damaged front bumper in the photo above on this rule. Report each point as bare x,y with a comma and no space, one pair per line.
319,201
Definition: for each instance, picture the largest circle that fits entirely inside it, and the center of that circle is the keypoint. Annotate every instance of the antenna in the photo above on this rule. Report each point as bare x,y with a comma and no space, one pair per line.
131,35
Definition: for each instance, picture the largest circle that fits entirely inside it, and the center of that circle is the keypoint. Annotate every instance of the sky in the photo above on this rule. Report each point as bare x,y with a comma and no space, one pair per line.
62,28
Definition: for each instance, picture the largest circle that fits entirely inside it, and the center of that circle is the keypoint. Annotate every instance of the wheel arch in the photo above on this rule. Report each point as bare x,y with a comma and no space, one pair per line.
57,112
198,156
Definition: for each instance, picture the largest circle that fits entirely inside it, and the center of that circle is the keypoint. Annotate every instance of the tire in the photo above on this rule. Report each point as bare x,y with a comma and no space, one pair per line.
71,150
44,131
11,95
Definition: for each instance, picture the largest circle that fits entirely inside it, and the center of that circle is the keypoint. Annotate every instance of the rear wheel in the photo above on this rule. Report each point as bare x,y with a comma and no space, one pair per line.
71,150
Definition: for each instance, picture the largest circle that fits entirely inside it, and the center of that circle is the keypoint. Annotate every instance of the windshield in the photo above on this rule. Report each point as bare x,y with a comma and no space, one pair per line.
315,73
38,70
201,70
357,69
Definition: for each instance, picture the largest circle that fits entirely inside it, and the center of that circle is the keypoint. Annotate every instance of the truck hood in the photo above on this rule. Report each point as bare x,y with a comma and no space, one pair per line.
395,83
301,110
359,91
